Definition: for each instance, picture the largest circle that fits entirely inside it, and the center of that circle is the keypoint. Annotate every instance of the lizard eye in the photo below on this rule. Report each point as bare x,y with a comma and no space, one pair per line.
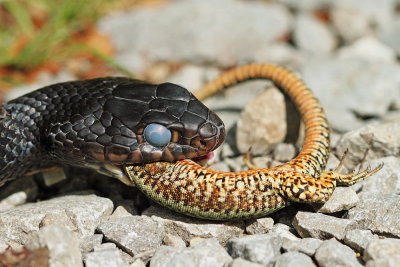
157,135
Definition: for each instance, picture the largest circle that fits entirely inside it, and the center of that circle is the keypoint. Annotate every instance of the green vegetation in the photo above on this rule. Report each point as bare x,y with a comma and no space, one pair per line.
35,32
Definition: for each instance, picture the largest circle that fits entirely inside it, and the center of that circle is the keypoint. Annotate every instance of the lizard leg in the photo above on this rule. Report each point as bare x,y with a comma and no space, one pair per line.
301,188
248,160
352,177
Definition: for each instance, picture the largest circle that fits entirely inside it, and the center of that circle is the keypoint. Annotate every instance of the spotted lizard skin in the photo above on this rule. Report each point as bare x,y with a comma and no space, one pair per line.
188,188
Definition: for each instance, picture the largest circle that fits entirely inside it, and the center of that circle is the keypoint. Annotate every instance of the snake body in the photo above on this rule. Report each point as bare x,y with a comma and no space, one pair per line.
200,192
101,122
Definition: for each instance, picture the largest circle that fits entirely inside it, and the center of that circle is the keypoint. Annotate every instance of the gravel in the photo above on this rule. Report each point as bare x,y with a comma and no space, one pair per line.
188,228
207,253
135,32
347,51
378,213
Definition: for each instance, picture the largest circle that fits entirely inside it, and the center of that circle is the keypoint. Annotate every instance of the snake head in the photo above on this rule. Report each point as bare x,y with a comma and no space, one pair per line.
125,121
169,123
166,120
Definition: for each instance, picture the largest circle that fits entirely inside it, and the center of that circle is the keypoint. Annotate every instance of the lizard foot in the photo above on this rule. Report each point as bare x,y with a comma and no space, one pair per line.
353,177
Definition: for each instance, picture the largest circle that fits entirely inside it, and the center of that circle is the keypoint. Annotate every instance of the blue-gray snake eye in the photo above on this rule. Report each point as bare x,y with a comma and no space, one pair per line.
157,135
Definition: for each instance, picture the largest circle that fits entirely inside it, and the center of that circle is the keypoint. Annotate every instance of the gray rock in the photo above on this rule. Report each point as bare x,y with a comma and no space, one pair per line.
262,161
230,103
236,164
381,140
202,38
284,231
332,163
108,257
342,98
13,200
3,246
332,253
284,152
239,262
63,245
259,226
137,263
174,241
383,252
88,243
307,246
305,5
378,15
263,249
280,53
112,248
335,137
350,24
390,34
378,213
313,36
262,123
187,227
386,180
105,246
294,258
359,239
368,49
220,166
321,226
195,241
134,234
17,192
193,76
125,210
80,214
343,198
393,115
207,253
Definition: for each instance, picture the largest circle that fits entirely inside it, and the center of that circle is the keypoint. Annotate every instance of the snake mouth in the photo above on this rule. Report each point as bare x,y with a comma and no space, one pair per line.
202,160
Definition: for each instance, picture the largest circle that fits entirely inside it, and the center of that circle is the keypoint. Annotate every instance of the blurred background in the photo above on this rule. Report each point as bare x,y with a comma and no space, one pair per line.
346,50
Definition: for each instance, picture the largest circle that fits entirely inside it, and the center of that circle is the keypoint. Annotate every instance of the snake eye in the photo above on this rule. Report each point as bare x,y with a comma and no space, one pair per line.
157,135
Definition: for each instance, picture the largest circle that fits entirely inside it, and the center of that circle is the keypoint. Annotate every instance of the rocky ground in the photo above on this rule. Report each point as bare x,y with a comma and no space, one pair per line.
346,51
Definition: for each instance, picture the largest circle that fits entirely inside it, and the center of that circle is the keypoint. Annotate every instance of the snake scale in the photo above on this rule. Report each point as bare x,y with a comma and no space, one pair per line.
105,124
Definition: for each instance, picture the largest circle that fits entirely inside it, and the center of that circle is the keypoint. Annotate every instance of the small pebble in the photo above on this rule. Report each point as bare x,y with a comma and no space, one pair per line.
343,198
174,241
259,226
294,258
